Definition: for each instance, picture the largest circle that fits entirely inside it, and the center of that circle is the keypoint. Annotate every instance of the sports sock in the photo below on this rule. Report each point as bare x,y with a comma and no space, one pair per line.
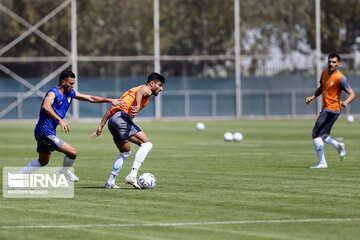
31,167
331,141
118,163
67,163
319,148
140,156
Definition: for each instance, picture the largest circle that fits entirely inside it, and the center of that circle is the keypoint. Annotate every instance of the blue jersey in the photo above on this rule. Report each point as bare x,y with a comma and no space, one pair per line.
46,124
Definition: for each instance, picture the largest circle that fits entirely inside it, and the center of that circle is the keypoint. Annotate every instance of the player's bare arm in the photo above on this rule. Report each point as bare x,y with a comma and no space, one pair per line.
350,98
317,93
144,91
47,107
102,123
96,99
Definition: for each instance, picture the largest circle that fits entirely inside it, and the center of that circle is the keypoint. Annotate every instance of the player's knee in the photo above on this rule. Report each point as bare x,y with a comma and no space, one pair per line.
43,162
72,154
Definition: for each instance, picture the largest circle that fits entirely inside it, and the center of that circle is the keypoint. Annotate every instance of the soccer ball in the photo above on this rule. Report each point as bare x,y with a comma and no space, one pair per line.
147,181
228,136
200,126
237,137
350,119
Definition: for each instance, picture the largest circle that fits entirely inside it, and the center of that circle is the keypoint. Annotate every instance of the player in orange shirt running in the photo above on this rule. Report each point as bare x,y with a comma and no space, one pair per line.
123,129
332,83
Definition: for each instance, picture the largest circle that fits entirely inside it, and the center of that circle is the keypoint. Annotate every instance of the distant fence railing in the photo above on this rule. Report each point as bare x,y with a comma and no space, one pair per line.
192,104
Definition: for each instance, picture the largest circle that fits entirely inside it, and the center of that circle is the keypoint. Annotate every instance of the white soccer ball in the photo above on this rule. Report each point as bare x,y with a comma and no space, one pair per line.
147,181
200,126
228,136
237,137
350,119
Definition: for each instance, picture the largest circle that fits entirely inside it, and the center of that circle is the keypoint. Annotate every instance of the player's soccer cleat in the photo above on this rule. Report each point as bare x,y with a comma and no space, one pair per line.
69,175
132,181
111,186
320,165
341,151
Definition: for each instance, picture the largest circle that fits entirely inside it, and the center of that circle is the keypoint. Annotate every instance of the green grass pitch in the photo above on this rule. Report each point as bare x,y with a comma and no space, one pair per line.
200,180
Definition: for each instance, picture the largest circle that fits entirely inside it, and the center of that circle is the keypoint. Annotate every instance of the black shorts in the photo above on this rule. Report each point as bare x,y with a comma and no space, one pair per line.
324,123
48,143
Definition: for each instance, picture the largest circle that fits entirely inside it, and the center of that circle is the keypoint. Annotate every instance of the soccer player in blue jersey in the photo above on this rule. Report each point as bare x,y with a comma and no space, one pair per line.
53,110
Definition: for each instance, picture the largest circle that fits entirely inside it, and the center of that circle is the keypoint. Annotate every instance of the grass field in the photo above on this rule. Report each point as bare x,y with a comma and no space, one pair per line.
206,188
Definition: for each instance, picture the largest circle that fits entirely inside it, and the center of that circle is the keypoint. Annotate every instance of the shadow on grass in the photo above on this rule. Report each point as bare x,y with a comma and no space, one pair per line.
294,166
102,187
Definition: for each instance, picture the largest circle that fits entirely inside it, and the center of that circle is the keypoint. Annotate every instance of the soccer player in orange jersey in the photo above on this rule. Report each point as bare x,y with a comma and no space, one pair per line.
332,83
124,130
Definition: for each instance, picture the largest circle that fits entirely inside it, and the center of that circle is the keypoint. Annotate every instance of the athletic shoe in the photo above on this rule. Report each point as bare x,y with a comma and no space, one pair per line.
69,175
111,186
320,165
133,181
341,151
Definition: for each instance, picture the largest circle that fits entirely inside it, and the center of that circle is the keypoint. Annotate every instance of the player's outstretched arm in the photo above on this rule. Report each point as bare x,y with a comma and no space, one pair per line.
47,107
96,99
102,123
350,98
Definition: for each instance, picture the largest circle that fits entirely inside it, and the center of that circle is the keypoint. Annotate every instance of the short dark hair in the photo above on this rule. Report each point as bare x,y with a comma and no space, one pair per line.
155,77
334,55
65,75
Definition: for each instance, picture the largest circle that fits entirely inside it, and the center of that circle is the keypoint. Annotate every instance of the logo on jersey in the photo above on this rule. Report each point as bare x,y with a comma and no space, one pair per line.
69,99
331,83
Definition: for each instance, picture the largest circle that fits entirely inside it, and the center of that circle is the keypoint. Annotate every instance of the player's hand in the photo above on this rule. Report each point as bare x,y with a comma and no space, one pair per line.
134,109
308,100
122,104
117,102
97,133
64,126
344,104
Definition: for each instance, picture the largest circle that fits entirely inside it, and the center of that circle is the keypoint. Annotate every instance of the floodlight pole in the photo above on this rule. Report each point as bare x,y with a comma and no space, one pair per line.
238,101
74,55
157,54
318,50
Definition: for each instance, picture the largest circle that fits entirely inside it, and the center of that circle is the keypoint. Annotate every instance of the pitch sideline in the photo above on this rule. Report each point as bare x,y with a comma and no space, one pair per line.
180,223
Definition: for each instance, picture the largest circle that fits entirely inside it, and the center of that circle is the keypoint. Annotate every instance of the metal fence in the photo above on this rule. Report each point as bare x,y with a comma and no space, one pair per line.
227,85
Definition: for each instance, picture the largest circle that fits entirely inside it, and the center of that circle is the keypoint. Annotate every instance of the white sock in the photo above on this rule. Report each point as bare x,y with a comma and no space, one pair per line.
140,156
319,148
332,142
67,163
31,167
118,163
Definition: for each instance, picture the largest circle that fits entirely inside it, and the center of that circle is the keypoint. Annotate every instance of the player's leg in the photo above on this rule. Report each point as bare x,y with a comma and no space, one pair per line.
31,167
318,141
340,147
68,162
143,141
44,158
119,129
125,151
45,145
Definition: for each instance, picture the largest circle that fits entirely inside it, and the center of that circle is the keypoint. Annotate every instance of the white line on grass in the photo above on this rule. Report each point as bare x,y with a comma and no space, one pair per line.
182,223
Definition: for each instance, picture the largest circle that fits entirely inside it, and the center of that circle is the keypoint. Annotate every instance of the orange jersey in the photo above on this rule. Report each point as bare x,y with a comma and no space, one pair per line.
129,99
331,90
